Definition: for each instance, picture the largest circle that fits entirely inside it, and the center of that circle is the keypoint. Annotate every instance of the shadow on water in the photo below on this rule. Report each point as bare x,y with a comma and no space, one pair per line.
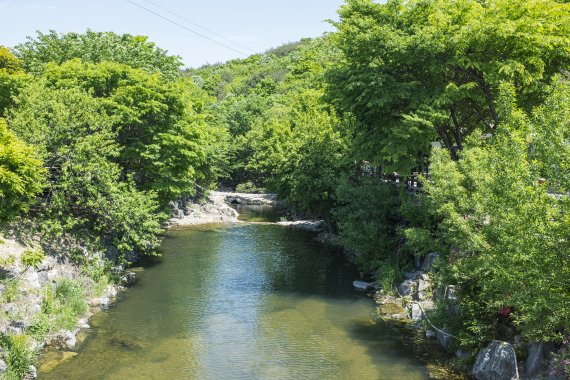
243,302
261,213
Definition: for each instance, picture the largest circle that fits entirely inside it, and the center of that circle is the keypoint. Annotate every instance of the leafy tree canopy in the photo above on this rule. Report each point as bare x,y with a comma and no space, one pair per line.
22,175
418,71
96,47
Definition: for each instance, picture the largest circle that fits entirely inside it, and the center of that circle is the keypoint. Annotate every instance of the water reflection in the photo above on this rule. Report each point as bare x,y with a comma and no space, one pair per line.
243,302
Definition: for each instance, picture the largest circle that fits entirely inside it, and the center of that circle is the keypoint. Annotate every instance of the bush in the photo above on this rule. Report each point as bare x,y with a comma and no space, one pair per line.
32,258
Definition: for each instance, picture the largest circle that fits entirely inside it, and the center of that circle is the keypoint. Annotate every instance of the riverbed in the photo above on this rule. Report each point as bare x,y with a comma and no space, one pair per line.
243,301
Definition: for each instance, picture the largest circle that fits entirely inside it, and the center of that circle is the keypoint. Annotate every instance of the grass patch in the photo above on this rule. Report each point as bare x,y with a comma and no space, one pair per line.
18,356
10,289
60,309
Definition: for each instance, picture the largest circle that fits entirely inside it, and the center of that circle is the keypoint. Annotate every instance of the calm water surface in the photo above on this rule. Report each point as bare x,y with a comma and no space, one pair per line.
243,302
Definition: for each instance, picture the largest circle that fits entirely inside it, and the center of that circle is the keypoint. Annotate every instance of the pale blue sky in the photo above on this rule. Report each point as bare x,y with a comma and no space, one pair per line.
256,24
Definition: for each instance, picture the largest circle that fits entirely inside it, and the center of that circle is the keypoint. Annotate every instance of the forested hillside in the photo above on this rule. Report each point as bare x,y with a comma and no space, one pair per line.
469,98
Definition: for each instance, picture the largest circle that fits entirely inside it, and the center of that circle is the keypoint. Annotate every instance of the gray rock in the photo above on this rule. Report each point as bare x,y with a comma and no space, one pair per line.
3,366
417,262
444,338
32,371
32,279
451,293
129,278
52,275
15,328
406,287
104,302
423,287
462,354
69,340
496,362
417,314
111,292
36,309
428,261
431,334
95,302
534,359
362,285
43,278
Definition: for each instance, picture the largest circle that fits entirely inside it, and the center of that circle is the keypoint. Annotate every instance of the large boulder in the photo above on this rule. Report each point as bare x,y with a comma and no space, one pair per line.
497,361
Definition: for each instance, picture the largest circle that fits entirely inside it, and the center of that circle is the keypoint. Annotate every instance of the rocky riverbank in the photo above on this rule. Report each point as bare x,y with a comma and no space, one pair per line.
415,298
220,207
46,299
216,208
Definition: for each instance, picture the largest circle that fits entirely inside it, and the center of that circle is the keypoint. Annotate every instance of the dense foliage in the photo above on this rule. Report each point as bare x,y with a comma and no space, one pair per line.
21,174
419,71
504,222
96,47
118,131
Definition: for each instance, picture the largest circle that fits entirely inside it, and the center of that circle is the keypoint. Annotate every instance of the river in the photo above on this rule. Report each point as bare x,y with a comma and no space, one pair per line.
245,301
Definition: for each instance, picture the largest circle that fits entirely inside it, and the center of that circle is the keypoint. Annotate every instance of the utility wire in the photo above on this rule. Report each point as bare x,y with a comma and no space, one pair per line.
186,28
199,26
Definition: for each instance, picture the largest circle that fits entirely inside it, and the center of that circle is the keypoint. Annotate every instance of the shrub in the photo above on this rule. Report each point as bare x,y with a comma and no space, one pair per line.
32,258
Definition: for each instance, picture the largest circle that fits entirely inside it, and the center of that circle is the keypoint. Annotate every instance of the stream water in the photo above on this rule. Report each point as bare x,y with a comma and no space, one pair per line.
249,301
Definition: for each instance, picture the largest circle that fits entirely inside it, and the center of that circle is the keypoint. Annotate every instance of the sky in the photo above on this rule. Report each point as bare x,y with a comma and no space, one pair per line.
255,25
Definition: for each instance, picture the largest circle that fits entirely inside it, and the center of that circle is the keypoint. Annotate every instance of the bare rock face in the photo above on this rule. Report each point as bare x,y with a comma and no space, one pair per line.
496,362
428,261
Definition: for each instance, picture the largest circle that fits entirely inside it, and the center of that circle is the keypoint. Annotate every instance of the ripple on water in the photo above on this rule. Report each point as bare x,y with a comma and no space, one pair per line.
245,302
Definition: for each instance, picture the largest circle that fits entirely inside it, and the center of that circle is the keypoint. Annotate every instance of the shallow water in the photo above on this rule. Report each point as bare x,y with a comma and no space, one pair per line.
243,302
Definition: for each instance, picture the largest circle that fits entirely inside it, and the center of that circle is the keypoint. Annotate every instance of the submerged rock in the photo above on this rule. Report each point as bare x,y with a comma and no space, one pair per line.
54,358
127,342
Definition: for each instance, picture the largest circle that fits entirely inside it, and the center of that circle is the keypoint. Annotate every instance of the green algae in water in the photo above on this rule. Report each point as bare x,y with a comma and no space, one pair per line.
244,302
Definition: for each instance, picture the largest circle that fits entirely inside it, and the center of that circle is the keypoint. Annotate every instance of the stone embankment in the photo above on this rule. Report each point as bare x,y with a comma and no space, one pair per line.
415,299
24,288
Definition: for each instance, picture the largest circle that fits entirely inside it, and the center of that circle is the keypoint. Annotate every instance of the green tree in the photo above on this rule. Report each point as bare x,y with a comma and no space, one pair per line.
12,78
507,231
22,175
160,125
96,47
87,194
415,72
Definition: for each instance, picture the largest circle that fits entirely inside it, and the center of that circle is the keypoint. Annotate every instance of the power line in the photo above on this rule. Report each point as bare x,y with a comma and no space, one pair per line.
199,26
186,28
